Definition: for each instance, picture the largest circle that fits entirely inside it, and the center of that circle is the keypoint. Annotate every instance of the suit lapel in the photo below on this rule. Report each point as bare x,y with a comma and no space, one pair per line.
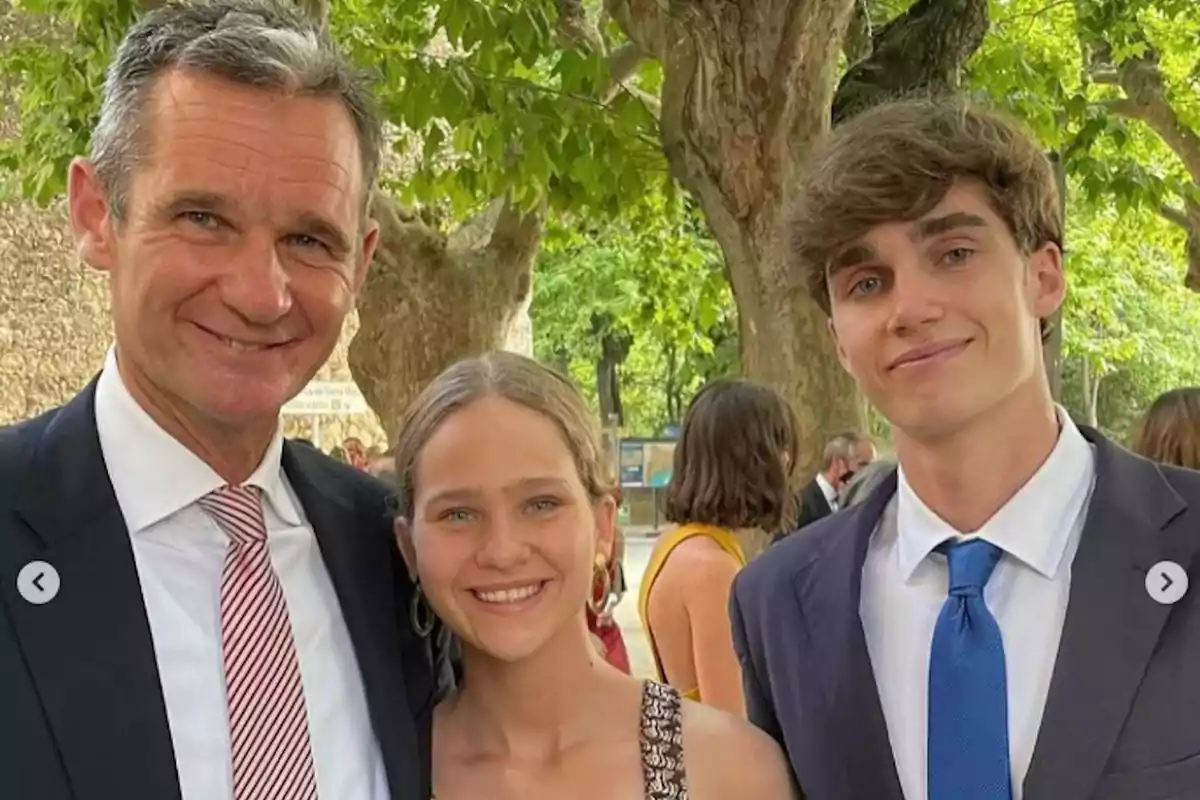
1112,624
828,591
89,649
354,547
816,496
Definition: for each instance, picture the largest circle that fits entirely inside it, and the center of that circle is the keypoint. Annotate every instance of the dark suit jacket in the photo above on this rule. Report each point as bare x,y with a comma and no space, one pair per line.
1121,720
813,505
82,715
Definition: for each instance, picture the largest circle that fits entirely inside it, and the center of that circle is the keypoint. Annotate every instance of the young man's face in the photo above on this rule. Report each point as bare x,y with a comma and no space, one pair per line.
938,319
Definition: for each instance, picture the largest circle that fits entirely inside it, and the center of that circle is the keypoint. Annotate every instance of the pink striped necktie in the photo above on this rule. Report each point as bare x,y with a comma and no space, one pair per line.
268,723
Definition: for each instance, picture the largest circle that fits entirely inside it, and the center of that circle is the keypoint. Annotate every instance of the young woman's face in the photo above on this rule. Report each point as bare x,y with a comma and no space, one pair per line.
504,534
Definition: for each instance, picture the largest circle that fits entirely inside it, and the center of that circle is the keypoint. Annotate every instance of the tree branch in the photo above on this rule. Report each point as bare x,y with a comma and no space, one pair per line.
1187,218
623,62
1123,106
922,50
1175,215
857,46
1146,97
645,22
651,102
1037,13
1147,100
516,233
622,65
574,28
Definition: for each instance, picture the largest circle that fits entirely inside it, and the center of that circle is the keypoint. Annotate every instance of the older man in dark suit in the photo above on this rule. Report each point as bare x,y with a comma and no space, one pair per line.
845,455
1007,615
192,607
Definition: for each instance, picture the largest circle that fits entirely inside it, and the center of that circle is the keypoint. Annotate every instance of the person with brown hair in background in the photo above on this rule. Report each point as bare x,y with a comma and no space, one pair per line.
1169,433
729,491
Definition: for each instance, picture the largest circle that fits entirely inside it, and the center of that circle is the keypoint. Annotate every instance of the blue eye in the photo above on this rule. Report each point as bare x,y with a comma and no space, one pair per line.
455,515
201,219
866,286
958,255
310,245
544,504
304,240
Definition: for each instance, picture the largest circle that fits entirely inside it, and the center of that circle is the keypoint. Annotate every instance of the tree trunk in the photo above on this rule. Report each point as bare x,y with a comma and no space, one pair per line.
614,349
1090,385
748,88
1052,343
1052,352
671,388
430,300
561,360
1147,98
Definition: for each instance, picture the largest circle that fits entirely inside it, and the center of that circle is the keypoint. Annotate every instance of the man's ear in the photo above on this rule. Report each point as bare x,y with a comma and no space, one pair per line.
91,220
366,253
402,529
1047,280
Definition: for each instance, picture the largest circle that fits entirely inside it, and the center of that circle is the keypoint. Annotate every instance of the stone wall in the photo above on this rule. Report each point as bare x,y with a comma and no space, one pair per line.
54,313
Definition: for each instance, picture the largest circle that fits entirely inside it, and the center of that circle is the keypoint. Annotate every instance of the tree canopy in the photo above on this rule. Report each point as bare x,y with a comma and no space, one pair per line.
654,155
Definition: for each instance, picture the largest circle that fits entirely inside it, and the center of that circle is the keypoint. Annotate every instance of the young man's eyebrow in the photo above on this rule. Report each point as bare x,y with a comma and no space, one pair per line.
851,257
959,219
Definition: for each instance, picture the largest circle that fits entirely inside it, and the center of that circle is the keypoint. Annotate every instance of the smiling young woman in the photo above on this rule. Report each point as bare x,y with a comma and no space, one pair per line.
504,516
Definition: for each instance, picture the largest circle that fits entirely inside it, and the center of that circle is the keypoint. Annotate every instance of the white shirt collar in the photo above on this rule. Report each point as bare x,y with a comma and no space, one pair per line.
152,474
1034,526
831,495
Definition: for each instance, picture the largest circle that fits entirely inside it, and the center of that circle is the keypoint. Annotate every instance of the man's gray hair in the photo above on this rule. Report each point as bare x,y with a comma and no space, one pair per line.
866,480
259,43
840,446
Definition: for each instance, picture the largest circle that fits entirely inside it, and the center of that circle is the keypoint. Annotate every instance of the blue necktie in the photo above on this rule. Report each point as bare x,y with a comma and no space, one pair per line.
968,695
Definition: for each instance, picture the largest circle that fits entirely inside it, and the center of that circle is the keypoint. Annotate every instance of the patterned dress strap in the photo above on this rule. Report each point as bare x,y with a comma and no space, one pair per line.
663,773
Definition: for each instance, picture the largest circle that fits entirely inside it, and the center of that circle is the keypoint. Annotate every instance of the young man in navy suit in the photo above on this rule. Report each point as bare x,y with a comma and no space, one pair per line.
1005,617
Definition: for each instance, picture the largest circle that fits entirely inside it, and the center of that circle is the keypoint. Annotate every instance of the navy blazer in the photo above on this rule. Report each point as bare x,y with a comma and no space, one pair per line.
1122,719
82,715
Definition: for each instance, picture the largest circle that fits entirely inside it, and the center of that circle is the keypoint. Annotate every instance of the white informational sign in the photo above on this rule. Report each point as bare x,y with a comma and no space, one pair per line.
327,397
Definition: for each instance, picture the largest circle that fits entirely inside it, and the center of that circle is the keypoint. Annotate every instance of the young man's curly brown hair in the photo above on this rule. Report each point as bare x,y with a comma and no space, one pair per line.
895,163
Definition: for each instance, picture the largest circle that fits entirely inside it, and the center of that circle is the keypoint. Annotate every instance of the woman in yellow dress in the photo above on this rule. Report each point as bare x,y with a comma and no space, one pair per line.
729,491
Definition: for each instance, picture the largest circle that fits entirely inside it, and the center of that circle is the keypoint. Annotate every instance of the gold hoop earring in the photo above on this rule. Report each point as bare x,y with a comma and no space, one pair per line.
601,575
420,614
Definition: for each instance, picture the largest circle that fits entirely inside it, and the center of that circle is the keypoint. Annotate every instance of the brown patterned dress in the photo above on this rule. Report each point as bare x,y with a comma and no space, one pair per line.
663,773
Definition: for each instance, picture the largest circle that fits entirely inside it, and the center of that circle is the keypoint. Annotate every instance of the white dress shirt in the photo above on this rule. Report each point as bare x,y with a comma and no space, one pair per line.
831,495
179,552
905,584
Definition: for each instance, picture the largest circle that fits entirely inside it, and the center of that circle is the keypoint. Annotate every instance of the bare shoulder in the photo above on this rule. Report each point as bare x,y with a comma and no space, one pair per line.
728,758
700,556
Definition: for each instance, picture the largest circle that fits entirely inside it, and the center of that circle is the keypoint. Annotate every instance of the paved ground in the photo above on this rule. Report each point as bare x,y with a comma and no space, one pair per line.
637,553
